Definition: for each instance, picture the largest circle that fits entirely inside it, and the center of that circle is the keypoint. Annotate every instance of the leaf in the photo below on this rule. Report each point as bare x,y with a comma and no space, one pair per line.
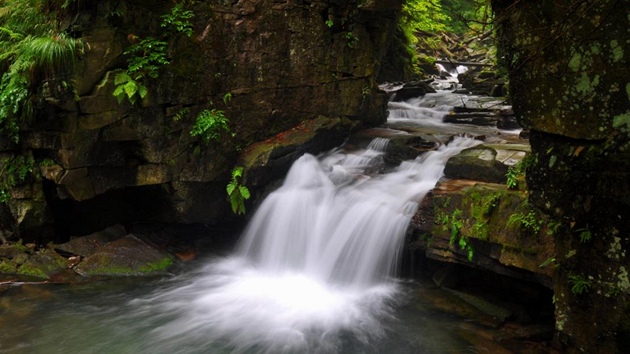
142,91
121,78
237,172
230,188
130,88
244,192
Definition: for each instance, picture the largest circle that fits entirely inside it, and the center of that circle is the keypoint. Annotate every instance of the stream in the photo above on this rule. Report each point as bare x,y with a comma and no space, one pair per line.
314,271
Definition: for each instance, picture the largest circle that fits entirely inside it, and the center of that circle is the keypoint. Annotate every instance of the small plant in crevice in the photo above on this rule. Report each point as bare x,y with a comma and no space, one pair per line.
352,39
227,98
237,192
177,21
584,235
13,171
34,55
454,223
210,124
529,221
517,171
149,55
579,284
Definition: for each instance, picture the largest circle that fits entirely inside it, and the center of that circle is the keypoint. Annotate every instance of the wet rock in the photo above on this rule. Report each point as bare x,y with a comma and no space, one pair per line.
477,163
270,160
446,277
479,214
12,250
85,246
402,148
412,90
43,264
508,123
499,313
128,256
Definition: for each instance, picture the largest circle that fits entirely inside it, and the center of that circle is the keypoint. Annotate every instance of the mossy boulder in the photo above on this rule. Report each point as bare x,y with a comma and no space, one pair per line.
85,246
43,264
485,163
128,256
486,225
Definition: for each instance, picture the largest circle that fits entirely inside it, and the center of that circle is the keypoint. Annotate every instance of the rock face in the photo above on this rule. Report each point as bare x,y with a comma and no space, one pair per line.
472,218
569,85
270,66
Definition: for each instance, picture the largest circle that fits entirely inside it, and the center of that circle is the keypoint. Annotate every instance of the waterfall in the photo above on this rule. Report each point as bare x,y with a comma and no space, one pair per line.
315,264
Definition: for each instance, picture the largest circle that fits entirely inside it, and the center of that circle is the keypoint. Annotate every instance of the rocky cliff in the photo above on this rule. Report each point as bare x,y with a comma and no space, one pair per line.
268,65
568,66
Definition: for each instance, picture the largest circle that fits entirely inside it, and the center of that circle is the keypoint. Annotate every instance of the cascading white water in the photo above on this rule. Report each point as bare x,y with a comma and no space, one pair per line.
314,266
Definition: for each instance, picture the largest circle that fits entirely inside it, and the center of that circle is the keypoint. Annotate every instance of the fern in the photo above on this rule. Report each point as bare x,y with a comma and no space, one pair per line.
149,55
210,124
237,192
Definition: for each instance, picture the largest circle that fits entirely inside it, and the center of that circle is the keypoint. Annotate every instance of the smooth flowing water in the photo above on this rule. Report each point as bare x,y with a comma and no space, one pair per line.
314,272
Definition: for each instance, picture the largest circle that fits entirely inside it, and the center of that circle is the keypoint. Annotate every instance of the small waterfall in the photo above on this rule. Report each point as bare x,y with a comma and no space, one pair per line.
314,266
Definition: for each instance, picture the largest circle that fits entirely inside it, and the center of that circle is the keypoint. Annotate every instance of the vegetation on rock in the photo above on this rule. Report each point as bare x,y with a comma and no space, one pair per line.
237,192
148,55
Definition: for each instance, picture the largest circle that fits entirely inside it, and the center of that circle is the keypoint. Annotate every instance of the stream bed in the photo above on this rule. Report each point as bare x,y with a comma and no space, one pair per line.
312,273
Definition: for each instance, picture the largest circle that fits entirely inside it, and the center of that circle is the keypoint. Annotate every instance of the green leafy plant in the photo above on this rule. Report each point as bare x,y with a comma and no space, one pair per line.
177,21
329,23
585,235
128,87
454,223
237,192
579,284
149,55
227,98
52,55
352,39
13,171
181,114
33,53
517,171
210,124
528,221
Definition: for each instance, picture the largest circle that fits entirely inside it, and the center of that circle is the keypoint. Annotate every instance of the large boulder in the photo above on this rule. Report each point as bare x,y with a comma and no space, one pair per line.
128,256
487,226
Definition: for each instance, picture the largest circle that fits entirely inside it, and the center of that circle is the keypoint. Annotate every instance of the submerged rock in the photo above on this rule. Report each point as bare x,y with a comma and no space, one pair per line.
412,90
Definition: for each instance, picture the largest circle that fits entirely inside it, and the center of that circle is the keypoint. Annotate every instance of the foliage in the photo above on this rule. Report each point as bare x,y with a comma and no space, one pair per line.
237,192
518,170
585,235
177,21
14,104
579,284
352,39
467,15
32,48
529,221
227,98
422,15
149,55
13,171
51,54
454,223
126,86
209,125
